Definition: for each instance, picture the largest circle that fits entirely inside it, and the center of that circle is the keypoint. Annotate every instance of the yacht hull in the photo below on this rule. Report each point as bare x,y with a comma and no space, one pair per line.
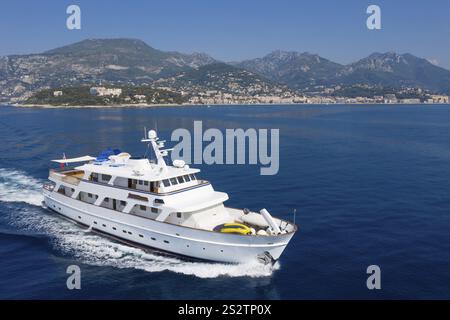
175,239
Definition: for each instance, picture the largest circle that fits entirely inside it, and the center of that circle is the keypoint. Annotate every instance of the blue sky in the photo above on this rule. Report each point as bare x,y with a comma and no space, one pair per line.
235,30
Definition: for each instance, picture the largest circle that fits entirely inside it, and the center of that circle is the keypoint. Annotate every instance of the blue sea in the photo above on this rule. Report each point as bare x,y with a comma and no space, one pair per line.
371,186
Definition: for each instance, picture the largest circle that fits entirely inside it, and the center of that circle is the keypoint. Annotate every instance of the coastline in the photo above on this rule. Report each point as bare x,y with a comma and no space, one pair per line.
48,106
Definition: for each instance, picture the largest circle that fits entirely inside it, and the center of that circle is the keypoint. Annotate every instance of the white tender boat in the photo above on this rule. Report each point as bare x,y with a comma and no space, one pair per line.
164,207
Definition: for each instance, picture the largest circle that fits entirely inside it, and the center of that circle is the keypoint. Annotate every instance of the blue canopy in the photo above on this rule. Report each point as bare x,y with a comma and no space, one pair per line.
104,155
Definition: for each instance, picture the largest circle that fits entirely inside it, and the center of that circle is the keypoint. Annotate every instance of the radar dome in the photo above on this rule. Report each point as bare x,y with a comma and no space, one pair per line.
151,134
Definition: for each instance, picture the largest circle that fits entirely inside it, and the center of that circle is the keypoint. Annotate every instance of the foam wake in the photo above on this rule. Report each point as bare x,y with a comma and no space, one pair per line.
93,249
16,186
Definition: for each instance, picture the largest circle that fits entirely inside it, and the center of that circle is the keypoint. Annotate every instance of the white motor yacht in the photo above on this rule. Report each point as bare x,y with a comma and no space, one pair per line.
166,207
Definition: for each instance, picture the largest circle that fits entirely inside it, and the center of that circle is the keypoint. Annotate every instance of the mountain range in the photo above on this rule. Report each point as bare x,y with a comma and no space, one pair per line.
133,62
390,69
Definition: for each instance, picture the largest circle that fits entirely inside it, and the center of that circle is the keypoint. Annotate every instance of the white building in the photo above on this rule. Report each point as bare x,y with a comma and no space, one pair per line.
102,91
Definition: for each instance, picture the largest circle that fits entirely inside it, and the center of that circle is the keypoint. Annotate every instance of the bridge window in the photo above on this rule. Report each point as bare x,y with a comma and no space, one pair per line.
166,183
94,177
180,179
154,185
173,181
186,178
192,176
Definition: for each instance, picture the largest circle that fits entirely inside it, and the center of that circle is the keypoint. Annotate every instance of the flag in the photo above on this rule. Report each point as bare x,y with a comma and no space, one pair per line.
62,163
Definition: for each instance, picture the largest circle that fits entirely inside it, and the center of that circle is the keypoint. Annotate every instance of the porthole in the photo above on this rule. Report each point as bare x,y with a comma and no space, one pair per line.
124,231
129,232
114,228
141,236
165,241
79,217
153,239
104,225
95,222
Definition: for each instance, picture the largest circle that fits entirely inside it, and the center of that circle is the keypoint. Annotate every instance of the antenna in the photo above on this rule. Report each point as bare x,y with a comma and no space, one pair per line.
145,132
295,213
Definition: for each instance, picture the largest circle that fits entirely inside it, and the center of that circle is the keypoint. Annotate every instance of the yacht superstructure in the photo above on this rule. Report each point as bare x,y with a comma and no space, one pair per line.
162,206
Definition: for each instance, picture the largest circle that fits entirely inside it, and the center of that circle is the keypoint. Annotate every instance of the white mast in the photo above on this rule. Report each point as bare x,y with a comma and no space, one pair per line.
152,139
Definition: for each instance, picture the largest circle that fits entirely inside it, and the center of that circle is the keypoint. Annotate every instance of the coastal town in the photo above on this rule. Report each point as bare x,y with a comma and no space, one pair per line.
122,96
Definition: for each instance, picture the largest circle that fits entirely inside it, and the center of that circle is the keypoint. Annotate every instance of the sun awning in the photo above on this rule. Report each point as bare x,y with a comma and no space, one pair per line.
72,160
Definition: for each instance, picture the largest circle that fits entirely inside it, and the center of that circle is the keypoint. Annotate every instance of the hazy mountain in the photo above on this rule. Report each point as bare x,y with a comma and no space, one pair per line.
127,61
392,69
129,53
302,70
298,70
223,77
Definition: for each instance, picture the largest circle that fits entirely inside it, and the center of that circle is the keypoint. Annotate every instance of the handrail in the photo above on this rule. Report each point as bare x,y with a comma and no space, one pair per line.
201,184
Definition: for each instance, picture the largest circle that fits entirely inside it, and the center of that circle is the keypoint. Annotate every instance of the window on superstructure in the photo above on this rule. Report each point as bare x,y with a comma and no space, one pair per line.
89,195
145,183
62,190
140,182
180,179
143,208
106,199
186,178
155,210
159,201
123,203
106,177
166,183
154,186
173,181
178,214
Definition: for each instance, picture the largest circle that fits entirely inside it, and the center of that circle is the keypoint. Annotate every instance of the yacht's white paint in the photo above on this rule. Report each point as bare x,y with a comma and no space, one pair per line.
131,199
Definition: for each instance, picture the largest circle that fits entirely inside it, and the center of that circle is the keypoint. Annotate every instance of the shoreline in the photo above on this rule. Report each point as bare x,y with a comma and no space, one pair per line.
49,106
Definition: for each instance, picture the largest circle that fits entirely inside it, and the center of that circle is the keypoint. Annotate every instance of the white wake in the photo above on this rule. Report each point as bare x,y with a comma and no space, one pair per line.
93,249
16,186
